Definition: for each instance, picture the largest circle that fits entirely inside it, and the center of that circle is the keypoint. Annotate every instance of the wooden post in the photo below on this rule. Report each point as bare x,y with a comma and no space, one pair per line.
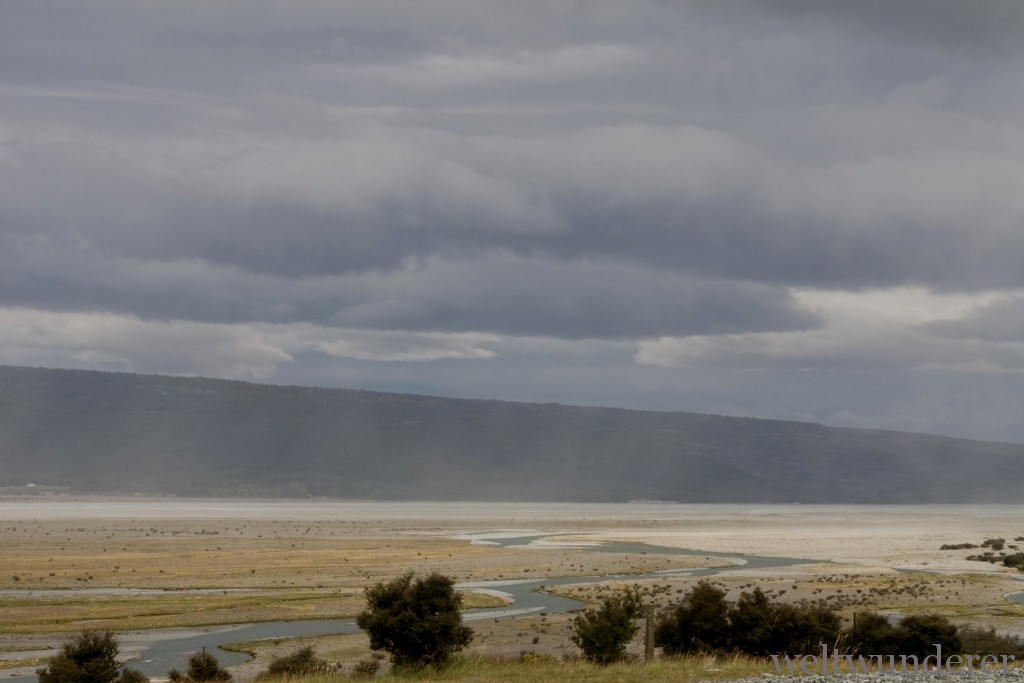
649,635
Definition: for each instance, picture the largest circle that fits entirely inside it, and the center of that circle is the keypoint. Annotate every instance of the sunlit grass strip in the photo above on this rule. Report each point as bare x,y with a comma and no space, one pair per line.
19,663
170,610
470,669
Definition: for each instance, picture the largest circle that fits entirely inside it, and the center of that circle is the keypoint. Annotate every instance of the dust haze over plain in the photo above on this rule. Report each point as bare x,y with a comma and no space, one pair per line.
782,209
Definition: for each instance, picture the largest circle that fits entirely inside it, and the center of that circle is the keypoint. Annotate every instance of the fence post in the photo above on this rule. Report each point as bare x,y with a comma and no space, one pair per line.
649,635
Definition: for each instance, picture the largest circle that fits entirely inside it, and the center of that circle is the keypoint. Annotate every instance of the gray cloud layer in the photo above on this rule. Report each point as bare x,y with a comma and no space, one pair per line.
726,187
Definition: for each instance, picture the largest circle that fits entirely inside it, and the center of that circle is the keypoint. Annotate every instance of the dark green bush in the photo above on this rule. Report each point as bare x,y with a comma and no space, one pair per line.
918,634
1015,560
872,633
752,622
801,629
202,667
704,622
603,634
756,625
761,627
697,623
90,657
416,621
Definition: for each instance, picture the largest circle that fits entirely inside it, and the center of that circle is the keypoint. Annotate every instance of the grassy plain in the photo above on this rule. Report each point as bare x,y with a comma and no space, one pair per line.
140,565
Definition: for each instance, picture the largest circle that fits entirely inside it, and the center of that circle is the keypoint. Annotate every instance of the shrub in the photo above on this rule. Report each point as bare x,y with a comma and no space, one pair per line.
366,668
415,621
132,676
994,543
704,622
1015,560
202,667
90,657
697,623
978,640
801,629
302,662
918,634
602,634
872,633
761,627
753,624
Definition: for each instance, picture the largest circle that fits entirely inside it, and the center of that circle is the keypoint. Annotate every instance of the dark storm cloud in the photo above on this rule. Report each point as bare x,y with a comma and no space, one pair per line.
329,139
496,292
679,197
740,186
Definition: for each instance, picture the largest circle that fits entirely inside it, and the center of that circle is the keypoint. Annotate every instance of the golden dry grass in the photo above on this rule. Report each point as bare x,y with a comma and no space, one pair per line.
59,576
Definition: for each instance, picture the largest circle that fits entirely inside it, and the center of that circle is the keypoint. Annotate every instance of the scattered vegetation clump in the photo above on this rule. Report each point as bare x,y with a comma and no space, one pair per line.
367,668
90,657
416,621
602,634
1015,560
957,546
987,556
301,662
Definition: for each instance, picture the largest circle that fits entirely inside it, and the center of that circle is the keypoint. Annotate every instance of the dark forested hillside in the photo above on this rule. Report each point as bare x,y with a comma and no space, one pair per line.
113,432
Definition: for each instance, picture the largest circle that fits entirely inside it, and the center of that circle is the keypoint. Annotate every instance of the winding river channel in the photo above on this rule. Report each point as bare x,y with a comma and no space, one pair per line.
156,653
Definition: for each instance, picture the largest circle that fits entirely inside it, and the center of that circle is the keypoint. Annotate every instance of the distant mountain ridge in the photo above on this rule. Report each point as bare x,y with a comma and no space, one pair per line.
118,432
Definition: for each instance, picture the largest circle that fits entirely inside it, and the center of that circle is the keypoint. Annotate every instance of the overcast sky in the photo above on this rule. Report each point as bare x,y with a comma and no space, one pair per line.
796,209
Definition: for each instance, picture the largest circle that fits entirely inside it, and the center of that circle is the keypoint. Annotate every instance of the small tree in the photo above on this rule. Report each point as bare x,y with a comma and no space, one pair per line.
415,621
90,657
603,633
